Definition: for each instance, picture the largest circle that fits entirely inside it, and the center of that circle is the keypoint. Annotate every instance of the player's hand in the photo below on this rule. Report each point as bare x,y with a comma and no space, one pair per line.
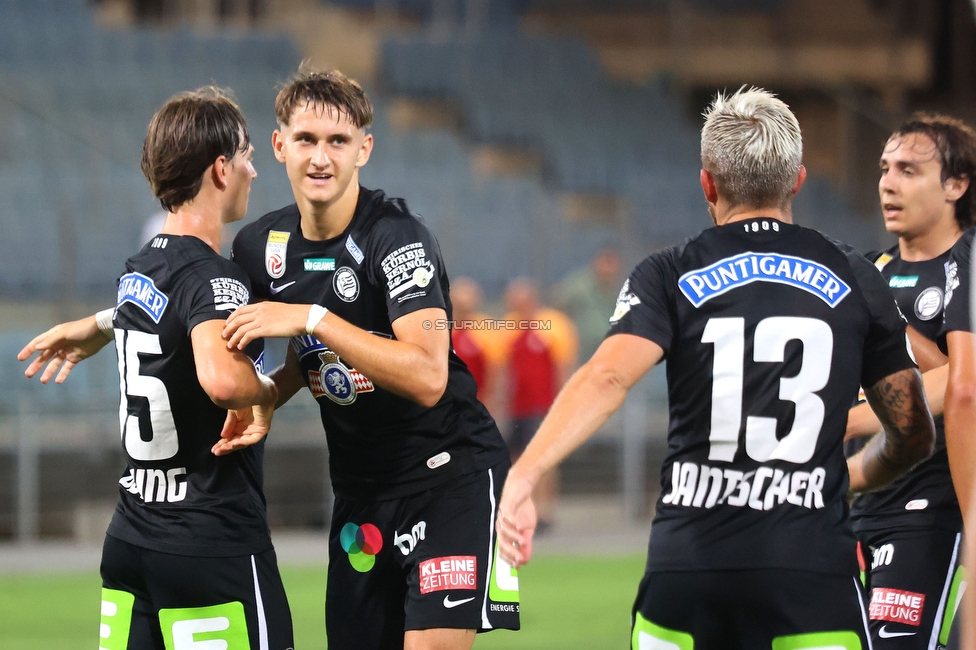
61,347
516,521
243,428
264,320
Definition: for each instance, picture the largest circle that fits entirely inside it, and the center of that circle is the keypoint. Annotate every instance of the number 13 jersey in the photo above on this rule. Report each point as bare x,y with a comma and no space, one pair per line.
768,330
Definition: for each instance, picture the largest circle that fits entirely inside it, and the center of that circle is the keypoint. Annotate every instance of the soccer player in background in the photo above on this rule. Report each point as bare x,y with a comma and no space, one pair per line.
188,552
768,328
358,284
913,527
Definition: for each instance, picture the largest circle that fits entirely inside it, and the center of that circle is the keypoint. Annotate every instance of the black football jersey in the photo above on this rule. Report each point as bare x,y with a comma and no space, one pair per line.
768,330
957,316
175,495
924,497
386,264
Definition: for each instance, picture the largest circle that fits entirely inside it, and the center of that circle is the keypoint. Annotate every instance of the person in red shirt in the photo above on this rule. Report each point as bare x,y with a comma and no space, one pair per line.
538,352
471,342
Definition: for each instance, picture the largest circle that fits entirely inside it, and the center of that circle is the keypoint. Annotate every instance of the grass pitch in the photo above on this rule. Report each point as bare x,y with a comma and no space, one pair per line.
567,602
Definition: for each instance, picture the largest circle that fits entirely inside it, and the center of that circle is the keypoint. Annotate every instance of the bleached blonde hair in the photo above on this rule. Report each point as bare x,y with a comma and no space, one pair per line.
751,146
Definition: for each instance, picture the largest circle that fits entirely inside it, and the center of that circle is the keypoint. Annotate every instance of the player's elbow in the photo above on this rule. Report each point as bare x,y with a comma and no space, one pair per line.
926,440
223,390
960,397
960,405
431,387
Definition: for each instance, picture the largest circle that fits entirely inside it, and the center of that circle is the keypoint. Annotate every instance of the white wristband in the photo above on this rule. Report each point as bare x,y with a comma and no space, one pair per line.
103,320
315,314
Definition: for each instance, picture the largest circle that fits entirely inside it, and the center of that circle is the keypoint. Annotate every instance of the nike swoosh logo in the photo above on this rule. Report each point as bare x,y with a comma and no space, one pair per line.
885,634
275,289
448,603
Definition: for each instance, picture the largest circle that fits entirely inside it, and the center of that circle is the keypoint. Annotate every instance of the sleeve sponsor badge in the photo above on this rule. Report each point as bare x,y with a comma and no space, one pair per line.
408,267
625,300
229,294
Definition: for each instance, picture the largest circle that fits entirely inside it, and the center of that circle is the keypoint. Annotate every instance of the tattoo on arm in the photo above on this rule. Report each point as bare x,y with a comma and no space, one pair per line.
909,432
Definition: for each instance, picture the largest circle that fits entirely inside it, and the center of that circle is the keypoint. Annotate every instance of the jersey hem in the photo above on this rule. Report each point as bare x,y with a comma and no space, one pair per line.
195,550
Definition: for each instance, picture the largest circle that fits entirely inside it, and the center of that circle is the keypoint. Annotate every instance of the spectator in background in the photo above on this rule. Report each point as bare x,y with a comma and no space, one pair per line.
589,295
471,344
537,357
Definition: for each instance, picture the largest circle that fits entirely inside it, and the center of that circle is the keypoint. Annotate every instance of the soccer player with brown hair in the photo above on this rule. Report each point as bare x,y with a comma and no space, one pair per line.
358,284
912,529
188,554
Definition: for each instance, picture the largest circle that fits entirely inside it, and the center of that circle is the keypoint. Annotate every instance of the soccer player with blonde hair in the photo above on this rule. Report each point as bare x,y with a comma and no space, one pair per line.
767,329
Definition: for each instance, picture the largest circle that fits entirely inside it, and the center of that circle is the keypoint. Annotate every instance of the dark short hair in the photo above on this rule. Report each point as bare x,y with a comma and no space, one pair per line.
956,143
328,88
185,137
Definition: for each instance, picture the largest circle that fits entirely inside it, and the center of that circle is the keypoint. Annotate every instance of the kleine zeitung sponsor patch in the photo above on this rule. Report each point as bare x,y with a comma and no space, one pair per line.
448,573
896,606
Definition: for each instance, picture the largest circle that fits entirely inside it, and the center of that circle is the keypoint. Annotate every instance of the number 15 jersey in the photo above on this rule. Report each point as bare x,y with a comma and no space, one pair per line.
176,496
768,330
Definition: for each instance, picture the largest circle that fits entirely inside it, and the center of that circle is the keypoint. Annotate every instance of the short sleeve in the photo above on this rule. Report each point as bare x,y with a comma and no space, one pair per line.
956,311
407,266
886,347
645,305
211,291
243,254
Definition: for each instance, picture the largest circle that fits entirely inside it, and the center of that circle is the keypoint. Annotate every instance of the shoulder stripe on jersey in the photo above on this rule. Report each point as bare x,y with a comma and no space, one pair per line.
730,273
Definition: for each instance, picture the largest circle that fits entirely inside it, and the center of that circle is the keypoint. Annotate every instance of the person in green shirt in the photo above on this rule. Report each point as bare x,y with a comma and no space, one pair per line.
588,296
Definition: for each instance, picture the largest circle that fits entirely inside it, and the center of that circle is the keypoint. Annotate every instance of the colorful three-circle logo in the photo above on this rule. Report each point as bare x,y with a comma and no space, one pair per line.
362,543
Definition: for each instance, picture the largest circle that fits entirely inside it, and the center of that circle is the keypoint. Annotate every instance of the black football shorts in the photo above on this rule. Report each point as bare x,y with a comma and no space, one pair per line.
153,600
914,582
423,561
768,609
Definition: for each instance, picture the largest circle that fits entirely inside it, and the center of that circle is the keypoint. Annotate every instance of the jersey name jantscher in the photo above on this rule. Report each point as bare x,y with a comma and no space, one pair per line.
385,265
924,497
177,496
768,328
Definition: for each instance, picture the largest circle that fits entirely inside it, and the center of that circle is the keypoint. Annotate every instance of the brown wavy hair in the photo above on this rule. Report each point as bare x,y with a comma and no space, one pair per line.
185,137
324,88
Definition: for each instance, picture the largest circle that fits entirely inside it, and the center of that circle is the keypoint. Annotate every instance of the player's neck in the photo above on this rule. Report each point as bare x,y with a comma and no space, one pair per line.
322,221
743,213
930,244
189,220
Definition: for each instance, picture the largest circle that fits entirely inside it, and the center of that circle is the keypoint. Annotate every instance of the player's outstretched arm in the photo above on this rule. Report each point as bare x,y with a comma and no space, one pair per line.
230,380
412,365
908,436
862,420
587,400
960,414
63,346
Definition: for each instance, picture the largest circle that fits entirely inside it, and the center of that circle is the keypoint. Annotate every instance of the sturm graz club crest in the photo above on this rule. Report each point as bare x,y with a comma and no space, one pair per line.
337,382
346,284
